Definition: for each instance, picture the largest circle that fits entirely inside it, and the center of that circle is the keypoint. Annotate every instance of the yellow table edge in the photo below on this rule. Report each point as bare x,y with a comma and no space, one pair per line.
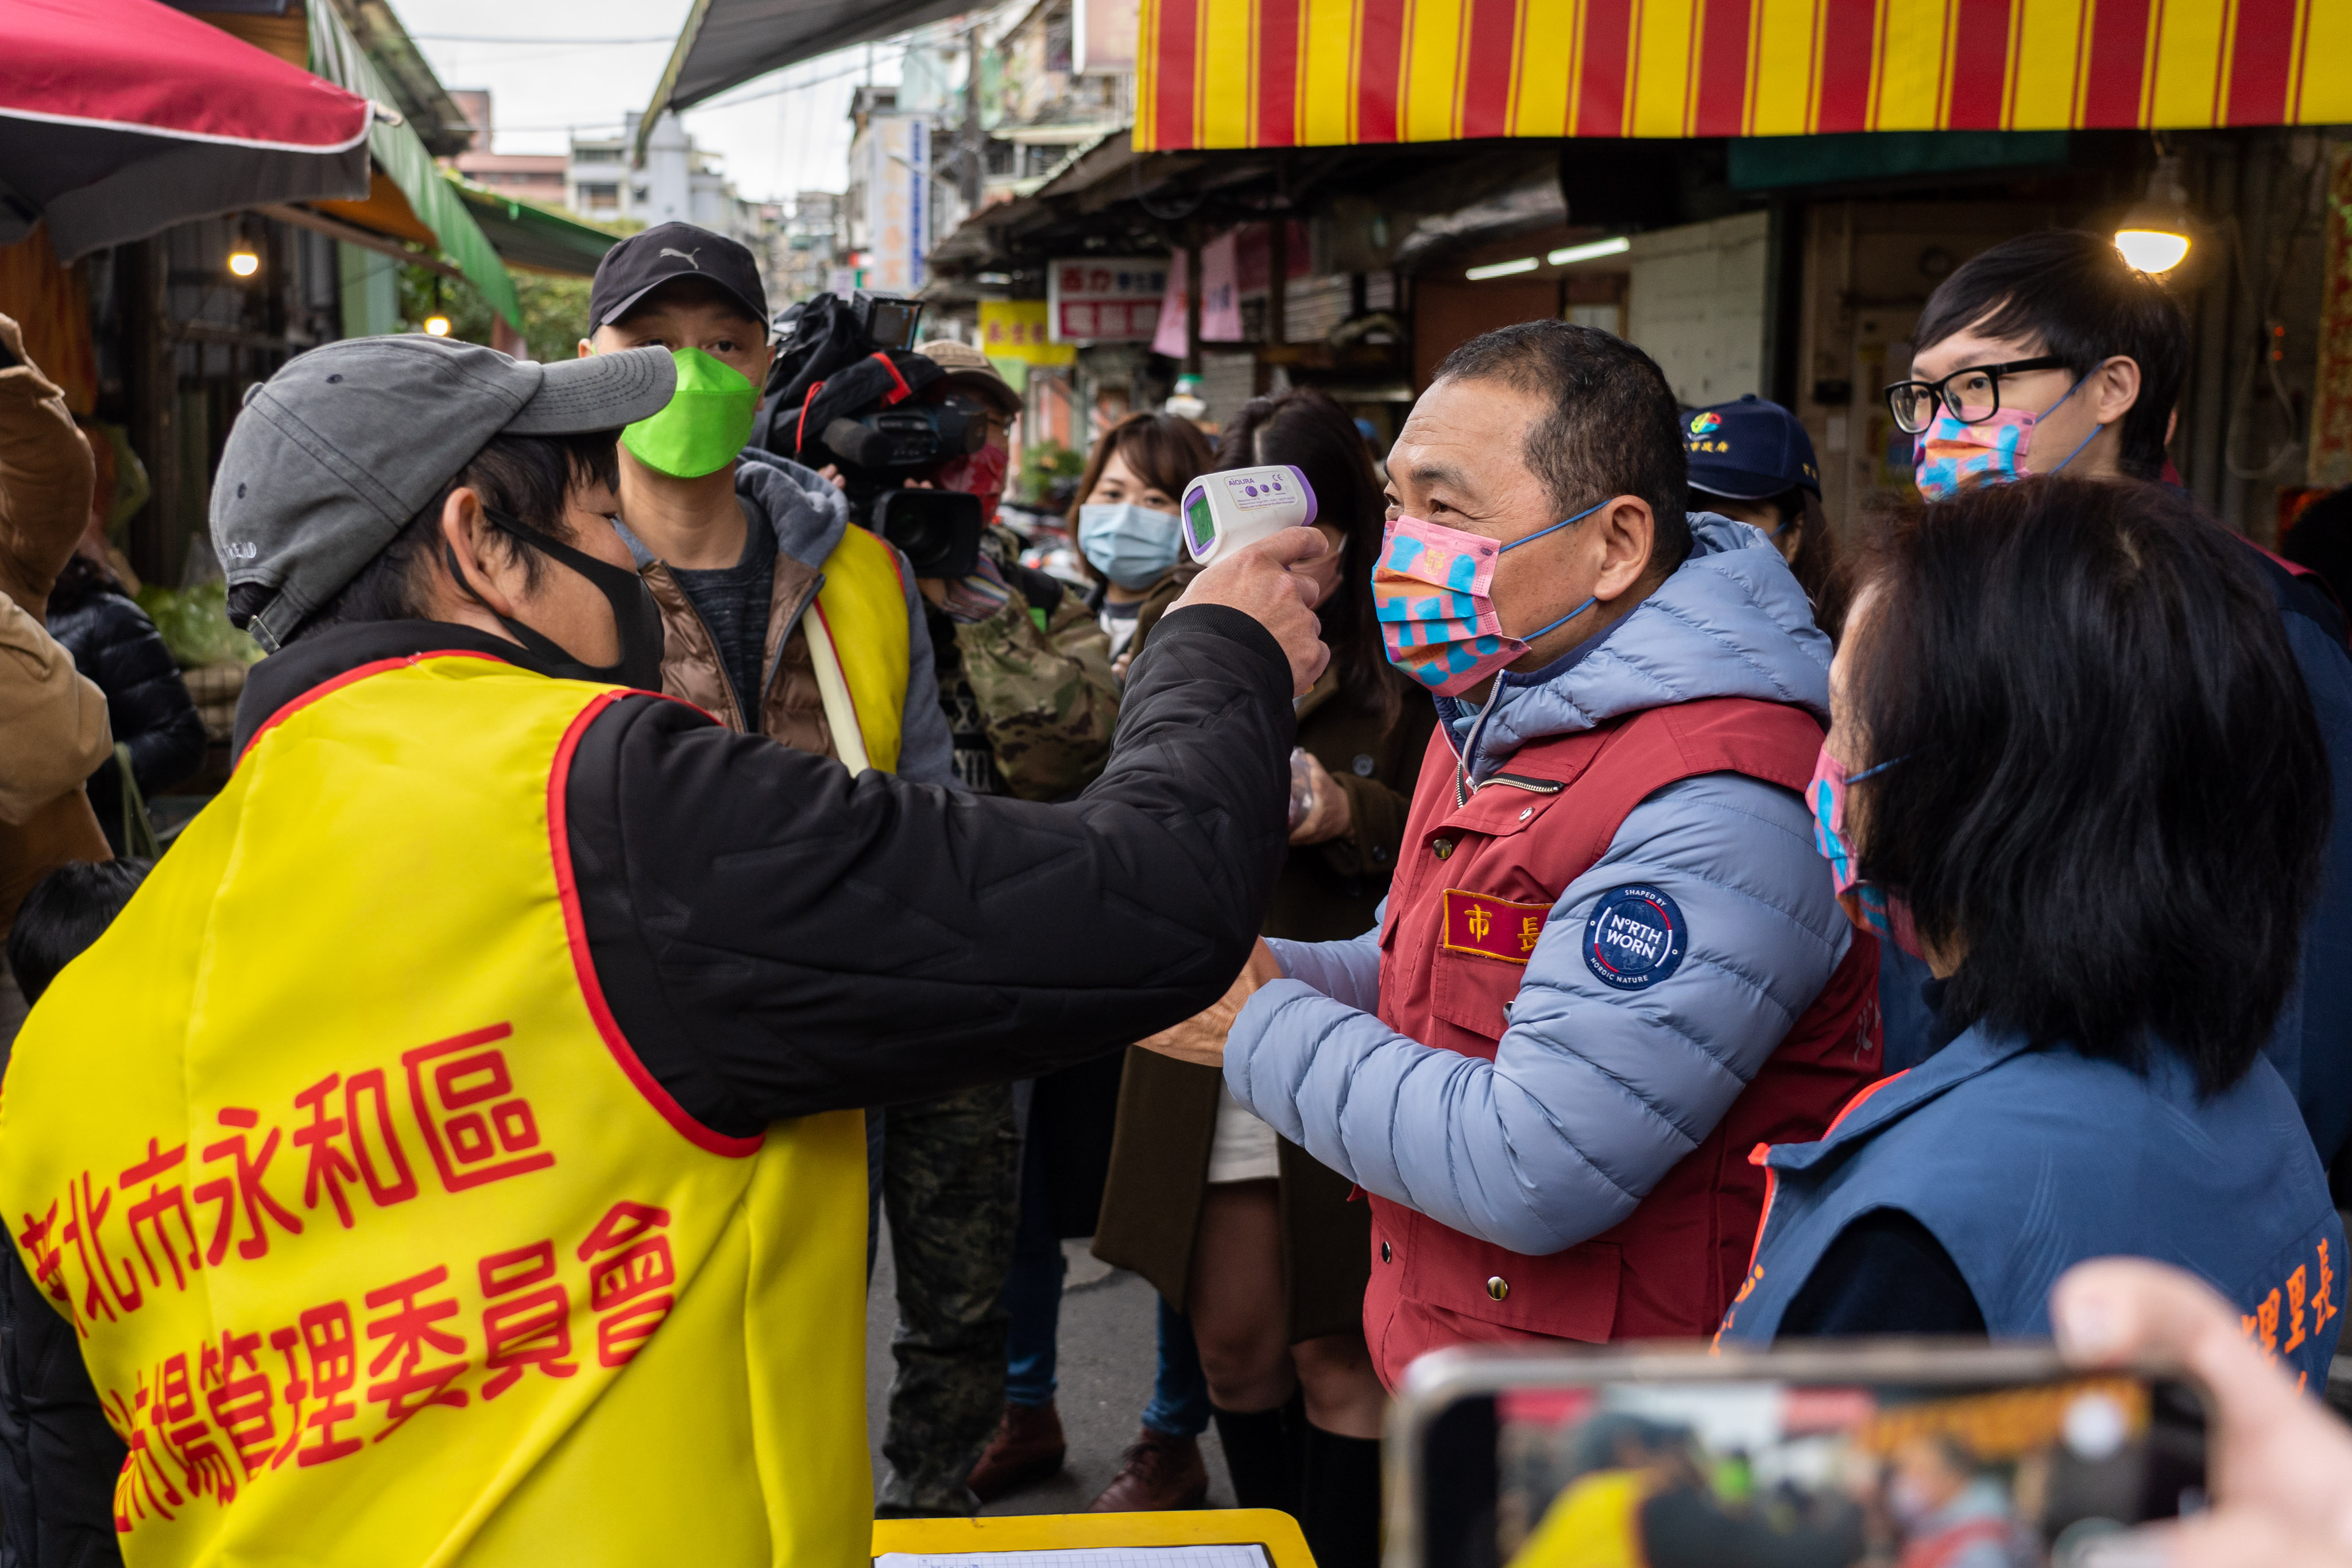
1268,1527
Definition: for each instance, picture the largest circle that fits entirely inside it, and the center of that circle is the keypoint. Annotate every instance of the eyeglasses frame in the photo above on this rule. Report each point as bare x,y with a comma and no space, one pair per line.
1934,390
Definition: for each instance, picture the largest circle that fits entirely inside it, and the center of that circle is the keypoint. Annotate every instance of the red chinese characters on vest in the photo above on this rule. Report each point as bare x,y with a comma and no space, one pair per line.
207,1421
1477,878
165,1214
341,1373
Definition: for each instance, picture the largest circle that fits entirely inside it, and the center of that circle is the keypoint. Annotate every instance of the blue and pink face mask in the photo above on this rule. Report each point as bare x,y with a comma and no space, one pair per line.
1866,903
1948,455
1431,593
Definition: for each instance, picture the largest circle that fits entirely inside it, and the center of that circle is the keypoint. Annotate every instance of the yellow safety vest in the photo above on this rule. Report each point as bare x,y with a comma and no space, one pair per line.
1595,1522
860,645
383,1246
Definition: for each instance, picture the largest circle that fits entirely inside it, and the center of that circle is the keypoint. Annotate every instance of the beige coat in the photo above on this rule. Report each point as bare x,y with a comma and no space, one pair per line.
53,729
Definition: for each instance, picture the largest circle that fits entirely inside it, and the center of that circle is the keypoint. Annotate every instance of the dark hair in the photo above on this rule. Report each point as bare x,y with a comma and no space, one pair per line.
66,912
1819,564
1614,428
2072,295
2110,778
1166,452
80,580
529,477
1305,428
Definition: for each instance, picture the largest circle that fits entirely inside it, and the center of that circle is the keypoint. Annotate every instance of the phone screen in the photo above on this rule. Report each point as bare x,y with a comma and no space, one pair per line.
1805,1474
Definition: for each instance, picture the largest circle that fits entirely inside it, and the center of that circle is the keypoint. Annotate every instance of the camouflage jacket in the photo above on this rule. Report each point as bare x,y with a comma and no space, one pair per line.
1028,692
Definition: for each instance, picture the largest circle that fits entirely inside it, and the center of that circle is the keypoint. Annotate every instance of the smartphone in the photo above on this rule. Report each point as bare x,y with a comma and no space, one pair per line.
8,361
1828,1455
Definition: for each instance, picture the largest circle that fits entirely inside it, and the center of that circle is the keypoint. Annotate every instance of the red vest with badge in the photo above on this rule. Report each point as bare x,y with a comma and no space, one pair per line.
1477,879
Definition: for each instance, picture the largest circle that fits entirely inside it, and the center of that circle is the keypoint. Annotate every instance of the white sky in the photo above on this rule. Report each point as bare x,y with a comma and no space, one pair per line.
774,142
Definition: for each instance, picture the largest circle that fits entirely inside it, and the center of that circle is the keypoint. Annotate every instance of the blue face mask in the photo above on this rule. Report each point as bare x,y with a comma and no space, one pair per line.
1133,546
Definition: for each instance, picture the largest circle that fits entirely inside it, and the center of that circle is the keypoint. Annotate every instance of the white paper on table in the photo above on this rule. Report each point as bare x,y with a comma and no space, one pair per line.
1240,1554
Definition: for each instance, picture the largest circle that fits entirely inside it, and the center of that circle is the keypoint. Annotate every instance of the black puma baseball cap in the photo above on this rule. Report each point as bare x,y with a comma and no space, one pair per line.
651,258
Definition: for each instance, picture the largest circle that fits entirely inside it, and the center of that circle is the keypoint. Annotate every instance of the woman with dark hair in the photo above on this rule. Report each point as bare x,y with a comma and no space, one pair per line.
1752,462
1124,522
2071,766
1256,1242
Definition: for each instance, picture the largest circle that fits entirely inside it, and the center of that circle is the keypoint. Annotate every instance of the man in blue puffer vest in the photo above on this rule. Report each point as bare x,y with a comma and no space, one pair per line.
1610,962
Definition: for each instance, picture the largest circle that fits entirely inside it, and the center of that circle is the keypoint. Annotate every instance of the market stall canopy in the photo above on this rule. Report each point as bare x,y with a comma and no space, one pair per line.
532,237
336,55
121,118
726,43
1335,72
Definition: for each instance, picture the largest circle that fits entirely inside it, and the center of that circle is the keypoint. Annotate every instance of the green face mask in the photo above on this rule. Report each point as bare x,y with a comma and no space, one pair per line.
704,424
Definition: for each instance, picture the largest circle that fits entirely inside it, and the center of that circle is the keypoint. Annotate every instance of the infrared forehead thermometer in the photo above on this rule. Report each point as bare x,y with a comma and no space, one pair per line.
1222,512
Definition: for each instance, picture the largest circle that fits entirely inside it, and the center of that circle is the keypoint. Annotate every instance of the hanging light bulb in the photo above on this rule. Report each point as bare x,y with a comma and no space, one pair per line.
2154,236
244,261
437,324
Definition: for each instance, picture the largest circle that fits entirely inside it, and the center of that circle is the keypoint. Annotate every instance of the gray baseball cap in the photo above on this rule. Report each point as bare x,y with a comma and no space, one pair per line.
337,452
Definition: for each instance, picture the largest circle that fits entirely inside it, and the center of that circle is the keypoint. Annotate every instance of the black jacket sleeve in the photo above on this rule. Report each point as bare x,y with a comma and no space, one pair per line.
116,646
775,938
58,1456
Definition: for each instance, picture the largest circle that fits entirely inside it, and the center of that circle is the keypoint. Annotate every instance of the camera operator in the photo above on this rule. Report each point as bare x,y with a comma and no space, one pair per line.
1024,668
1026,683
739,546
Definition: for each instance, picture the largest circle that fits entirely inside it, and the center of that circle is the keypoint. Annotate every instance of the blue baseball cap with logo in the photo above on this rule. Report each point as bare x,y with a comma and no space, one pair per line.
1748,451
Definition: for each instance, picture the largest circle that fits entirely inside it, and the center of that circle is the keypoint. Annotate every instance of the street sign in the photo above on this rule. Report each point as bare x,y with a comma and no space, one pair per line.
897,196
1104,299
1015,329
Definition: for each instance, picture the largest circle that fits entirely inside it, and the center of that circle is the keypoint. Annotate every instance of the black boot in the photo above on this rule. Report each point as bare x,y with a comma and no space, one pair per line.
1261,1457
1341,1511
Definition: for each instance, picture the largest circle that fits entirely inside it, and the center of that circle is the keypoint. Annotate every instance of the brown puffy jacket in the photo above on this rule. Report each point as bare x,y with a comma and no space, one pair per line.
53,731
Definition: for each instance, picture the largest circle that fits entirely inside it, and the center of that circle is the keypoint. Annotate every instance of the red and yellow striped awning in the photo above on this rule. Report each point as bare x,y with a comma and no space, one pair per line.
1282,73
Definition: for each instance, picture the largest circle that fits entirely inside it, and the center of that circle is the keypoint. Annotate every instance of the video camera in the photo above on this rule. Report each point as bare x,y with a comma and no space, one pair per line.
847,388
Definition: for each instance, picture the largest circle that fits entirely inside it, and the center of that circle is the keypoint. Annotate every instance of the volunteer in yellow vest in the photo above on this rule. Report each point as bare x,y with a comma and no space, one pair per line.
781,618
448,1156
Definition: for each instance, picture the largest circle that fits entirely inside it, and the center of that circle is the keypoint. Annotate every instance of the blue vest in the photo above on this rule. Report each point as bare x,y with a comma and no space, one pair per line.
2024,1162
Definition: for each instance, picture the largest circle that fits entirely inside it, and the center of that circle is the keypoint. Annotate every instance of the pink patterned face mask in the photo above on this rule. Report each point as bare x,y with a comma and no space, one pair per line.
1430,594
1864,903
1948,453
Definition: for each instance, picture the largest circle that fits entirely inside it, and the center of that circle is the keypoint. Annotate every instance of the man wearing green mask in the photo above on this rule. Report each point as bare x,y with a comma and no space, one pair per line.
777,615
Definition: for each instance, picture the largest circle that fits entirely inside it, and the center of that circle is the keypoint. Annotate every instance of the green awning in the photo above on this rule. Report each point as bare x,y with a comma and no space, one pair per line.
337,56
532,236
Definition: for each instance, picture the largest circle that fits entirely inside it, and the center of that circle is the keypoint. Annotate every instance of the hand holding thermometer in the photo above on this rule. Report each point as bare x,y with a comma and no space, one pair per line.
1221,512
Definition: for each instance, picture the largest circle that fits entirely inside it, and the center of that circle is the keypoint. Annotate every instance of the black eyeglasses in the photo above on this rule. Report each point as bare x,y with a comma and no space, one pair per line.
1971,395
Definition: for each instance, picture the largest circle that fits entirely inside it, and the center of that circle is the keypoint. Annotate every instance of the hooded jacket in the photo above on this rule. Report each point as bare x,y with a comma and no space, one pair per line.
808,518
53,726
1594,1092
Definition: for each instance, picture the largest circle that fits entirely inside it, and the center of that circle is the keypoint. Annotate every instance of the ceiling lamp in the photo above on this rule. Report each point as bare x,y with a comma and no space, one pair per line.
1500,269
2154,236
1616,245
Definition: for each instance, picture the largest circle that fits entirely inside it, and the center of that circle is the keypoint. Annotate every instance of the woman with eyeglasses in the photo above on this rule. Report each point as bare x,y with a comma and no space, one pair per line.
2071,766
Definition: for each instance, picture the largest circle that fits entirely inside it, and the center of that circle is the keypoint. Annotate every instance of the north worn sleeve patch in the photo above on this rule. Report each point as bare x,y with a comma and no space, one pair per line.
1492,927
1635,937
